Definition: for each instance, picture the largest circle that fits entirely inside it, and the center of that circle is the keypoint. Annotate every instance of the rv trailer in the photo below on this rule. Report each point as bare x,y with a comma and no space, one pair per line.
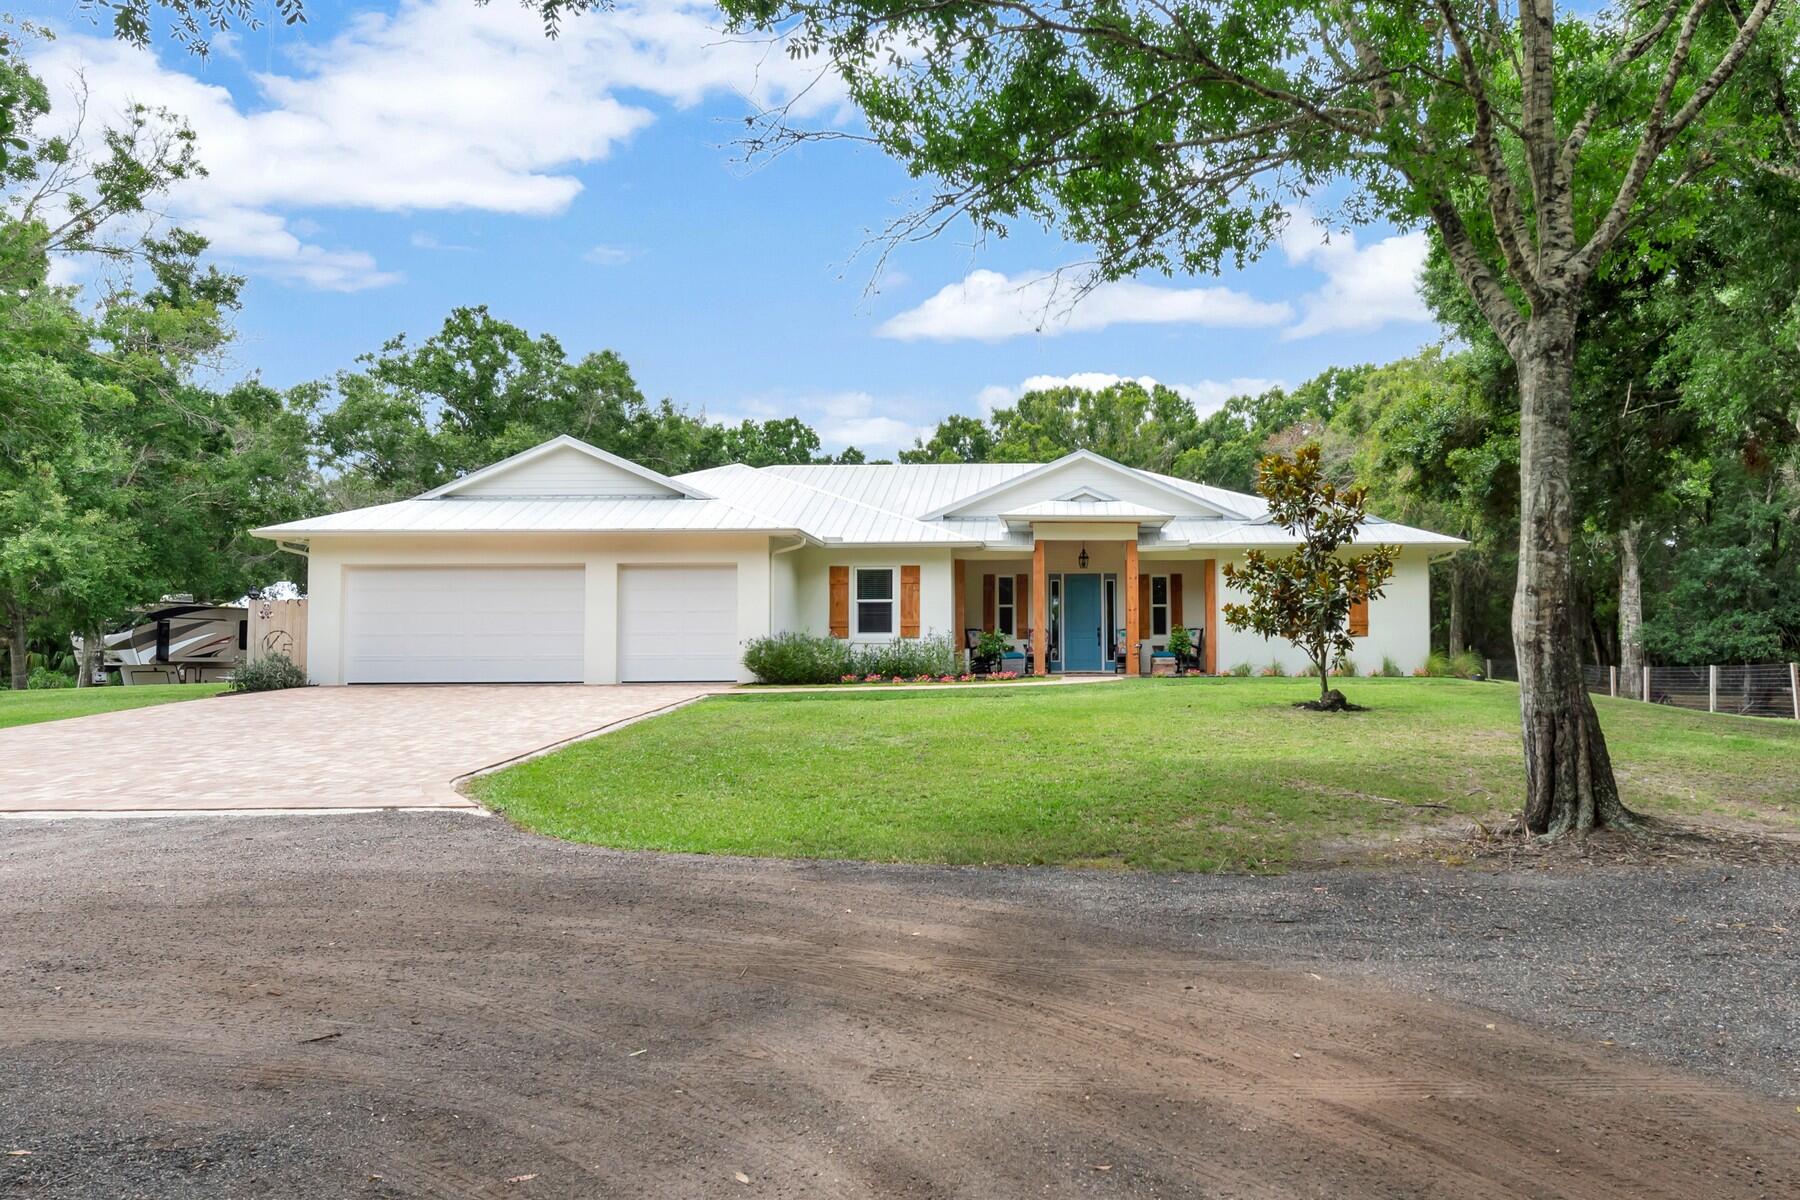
178,642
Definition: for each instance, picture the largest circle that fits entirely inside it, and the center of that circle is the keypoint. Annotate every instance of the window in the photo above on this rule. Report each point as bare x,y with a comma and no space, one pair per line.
1004,604
874,601
1159,605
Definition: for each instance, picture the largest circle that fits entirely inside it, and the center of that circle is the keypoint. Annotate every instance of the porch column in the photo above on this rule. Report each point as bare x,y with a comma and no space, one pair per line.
1040,608
1130,583
958,598
1209,588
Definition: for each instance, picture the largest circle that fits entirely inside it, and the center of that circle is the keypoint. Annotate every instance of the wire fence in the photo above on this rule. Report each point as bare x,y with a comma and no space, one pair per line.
1742,689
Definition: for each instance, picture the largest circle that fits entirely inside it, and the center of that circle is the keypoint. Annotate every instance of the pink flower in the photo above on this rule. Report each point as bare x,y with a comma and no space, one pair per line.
849,679
871,679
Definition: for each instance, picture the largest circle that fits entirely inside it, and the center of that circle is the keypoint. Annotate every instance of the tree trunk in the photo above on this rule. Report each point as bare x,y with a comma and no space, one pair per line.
88,661
17,636
1631,604
1569,785
1456,607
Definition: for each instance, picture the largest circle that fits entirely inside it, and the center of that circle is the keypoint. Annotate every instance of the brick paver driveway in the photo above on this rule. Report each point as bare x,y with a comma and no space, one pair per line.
398,747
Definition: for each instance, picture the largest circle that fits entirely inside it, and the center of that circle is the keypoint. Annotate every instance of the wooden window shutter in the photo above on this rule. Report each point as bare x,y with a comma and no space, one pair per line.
1021,605
987,603
1174,599
1143,629
840,602
1359,614
909,602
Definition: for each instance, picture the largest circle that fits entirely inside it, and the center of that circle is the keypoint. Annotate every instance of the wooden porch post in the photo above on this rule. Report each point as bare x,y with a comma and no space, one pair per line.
1130,583
958,577
1040,607
1209,589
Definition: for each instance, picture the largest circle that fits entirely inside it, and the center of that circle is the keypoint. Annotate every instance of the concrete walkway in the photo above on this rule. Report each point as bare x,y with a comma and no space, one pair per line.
310,748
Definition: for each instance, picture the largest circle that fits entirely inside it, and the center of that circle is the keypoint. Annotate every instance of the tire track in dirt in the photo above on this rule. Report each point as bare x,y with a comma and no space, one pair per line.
514,1009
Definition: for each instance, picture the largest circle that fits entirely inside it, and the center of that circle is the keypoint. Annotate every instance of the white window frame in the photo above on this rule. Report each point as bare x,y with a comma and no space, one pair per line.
893,602
1165,606
1008,625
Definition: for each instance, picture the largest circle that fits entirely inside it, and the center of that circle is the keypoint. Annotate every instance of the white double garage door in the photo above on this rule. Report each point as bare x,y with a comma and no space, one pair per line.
498,624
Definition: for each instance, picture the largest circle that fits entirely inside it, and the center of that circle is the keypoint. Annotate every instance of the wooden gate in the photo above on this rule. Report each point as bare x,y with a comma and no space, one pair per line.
277,627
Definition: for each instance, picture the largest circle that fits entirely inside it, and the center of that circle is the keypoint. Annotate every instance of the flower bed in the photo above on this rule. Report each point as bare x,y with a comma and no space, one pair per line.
892,679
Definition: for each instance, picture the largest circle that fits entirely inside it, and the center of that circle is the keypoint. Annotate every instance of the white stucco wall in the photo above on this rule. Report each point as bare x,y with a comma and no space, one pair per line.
812,583
1399,625
601,554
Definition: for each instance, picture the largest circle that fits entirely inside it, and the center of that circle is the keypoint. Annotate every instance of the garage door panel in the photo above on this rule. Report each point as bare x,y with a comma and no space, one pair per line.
678,624
465,625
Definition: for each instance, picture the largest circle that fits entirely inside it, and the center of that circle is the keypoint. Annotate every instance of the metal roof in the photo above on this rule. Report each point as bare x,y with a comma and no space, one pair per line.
1086,510
841,504
542,514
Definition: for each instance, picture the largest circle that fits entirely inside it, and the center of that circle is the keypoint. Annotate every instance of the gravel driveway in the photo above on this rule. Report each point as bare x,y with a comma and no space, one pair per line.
437,1005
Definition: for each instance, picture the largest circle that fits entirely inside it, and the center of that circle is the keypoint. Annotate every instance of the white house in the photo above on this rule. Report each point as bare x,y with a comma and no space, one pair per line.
569,564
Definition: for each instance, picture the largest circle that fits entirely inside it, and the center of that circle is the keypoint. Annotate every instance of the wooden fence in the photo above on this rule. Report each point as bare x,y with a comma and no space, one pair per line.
277,627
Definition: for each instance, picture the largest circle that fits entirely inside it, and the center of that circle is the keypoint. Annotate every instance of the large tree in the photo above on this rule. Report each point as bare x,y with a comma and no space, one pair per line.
1180,135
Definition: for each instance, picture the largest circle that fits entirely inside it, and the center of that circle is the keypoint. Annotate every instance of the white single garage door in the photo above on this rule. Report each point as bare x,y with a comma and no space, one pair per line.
464,624
678,624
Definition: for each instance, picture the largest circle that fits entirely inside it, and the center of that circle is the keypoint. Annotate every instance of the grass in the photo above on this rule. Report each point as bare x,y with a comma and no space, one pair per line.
55,704
1164,774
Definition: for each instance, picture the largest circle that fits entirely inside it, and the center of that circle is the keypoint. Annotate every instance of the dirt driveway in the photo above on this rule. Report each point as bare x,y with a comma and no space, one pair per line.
389,1005
360,747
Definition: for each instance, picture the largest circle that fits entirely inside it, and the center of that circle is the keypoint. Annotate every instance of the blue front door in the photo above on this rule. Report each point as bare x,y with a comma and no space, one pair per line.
1084,641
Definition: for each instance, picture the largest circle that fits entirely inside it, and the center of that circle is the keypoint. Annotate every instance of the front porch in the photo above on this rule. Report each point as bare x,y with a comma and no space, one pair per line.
1085,601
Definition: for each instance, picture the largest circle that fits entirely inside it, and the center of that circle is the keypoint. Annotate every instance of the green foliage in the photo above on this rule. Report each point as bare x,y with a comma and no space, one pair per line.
271,673
1181,642
907,657
42,678
412,417
1390,669
798,658
1305,596
1242,670
805,658
990,647
1445,666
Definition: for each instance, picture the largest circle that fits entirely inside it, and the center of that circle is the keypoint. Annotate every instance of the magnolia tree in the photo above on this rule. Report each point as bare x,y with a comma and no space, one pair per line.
1179,135
1305,597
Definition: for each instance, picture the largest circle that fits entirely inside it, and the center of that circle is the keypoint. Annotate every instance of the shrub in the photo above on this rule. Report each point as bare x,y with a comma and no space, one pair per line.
1466,665
1243,670
42,678
799,658
1390,668
1345,665
271,674
990,650
1274,670
1308,671
908,657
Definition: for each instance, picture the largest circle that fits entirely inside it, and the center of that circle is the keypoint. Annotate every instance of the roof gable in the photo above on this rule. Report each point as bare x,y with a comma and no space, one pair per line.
1076,474
566,466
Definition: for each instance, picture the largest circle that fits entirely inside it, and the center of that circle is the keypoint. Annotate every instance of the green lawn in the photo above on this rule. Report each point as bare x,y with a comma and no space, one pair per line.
53,704
1195,774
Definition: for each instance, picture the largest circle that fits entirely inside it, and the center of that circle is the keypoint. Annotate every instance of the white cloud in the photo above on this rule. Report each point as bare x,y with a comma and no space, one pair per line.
1365,287
421,240
989,306
440,105
609,256
1207,395
862,420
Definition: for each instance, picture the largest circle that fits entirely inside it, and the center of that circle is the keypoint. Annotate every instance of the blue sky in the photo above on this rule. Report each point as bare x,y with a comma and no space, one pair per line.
380,165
